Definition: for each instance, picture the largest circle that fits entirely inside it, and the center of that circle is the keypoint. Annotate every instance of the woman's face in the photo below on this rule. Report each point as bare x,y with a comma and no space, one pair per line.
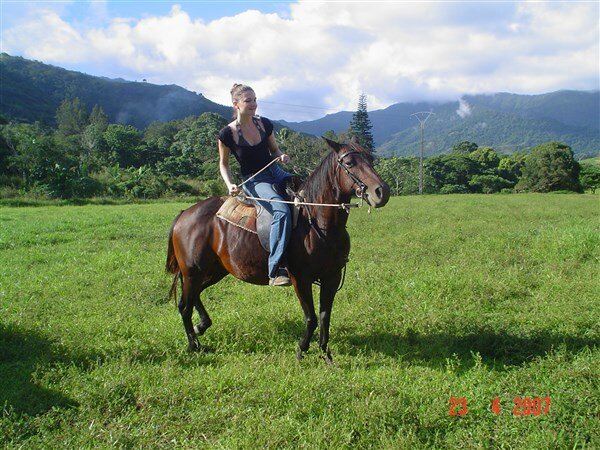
246,103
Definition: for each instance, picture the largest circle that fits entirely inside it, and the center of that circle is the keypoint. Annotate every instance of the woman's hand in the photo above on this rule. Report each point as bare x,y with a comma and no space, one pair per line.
284,158
233,189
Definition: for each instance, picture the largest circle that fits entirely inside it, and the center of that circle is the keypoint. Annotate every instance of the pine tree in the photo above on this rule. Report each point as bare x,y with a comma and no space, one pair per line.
98,118
71,117
360,126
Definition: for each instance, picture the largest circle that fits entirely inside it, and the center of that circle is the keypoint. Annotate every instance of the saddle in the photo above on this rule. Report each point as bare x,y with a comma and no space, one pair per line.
252,216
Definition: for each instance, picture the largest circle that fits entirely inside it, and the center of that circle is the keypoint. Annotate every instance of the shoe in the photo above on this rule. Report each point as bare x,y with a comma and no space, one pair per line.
281,279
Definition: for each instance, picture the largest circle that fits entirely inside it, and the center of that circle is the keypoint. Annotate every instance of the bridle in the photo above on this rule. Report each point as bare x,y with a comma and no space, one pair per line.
362,187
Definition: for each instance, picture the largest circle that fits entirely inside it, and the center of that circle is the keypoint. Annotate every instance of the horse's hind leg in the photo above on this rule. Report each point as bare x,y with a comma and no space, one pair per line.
189,296
205,321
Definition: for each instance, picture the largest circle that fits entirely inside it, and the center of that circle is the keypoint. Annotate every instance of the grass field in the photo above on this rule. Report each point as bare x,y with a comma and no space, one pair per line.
474,297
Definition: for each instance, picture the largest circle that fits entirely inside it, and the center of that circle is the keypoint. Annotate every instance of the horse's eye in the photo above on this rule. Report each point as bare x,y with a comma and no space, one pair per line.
349,162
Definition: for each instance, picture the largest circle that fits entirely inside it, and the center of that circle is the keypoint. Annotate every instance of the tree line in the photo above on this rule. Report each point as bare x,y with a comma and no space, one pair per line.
86,156
468,168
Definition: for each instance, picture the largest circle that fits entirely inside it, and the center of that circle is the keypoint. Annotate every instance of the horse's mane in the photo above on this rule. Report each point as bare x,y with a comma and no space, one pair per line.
319,179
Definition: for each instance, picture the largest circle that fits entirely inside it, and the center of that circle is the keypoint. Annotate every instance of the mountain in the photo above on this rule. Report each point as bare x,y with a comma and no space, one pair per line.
504,121
32,91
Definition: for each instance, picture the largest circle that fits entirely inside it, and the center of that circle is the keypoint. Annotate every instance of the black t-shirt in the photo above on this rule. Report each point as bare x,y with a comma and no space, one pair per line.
252,158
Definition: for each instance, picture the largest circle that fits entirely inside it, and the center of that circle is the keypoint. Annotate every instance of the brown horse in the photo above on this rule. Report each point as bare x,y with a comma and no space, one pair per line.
203,248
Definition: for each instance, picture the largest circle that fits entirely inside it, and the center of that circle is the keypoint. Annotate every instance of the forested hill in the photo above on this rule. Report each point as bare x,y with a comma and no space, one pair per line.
506,122
32,91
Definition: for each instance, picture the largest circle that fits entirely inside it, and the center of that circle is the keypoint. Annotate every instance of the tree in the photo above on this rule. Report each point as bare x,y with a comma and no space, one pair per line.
550,167
98,117
589,176
330,134
451,170
123,142
194,149
400,173
360,126
44,160
71,117
487,158
158,137
511,167
95,151
488,184
464,148
305,152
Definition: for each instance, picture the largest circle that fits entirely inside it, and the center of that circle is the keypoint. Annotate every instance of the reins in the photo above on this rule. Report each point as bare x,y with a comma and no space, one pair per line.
344,206
264,168
360,192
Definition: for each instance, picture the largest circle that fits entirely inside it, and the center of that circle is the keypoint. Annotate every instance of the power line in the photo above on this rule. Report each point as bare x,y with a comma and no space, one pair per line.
290,104
422,118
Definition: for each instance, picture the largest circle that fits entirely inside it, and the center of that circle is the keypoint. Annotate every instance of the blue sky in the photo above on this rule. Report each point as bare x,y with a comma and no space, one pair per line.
80,11
307,58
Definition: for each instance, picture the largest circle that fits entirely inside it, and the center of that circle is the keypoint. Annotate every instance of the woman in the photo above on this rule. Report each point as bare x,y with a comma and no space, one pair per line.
250,139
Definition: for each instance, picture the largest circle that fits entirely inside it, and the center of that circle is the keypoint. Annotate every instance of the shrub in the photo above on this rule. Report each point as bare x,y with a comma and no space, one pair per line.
488,184
454,189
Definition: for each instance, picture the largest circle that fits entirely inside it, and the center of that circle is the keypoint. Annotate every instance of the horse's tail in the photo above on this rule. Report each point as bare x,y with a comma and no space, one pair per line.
172,266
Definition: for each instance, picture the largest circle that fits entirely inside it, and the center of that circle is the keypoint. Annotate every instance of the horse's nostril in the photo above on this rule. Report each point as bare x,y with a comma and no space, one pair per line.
379,192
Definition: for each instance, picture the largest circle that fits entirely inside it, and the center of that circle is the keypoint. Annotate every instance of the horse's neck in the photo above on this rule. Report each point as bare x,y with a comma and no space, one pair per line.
328,218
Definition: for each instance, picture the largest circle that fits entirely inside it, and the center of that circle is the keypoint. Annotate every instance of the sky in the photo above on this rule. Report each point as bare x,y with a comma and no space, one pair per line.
306,59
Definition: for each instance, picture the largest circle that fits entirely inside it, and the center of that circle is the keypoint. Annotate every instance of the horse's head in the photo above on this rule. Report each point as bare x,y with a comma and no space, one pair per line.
355,172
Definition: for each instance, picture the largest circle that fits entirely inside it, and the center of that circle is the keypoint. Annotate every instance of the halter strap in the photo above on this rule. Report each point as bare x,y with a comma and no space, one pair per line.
362,187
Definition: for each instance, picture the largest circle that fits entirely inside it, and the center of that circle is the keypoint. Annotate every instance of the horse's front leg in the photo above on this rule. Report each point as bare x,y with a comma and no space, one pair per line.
329,288
304,292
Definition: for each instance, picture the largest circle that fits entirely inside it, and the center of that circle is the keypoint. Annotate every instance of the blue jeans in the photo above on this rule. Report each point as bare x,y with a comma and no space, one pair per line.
281,226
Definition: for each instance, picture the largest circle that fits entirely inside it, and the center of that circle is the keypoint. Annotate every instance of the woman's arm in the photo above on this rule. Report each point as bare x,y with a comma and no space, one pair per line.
224,153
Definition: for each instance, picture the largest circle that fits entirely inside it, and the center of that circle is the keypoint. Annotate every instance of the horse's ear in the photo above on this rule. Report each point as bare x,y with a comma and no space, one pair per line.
355,140
335,146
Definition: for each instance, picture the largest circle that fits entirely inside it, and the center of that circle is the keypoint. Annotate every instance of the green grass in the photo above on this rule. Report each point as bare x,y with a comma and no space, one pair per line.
445,296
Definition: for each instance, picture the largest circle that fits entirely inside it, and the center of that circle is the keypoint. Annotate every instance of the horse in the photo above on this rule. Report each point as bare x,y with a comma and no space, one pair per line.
203,249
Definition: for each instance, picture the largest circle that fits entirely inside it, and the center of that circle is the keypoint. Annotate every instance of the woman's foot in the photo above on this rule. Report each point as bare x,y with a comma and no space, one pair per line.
282,278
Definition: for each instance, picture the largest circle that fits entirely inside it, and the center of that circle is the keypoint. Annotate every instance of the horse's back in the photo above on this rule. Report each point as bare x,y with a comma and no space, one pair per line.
203,209
193,230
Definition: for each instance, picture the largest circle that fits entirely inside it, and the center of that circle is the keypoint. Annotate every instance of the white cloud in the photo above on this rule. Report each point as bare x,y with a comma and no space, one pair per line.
324,54
464,109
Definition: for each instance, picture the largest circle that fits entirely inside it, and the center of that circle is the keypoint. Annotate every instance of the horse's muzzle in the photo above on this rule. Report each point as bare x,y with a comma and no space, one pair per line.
378,196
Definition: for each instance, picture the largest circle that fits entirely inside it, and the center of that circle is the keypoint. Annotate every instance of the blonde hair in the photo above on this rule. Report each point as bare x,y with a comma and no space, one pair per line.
236,92
238,89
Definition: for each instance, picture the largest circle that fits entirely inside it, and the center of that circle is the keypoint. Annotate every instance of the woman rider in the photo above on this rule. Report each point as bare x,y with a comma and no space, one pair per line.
250,139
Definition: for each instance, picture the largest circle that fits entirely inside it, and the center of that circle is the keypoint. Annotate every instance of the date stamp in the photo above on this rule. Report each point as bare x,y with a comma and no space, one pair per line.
521,407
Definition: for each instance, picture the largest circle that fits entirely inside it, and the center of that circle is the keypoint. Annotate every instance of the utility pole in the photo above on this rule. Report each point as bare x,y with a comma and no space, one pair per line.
422,118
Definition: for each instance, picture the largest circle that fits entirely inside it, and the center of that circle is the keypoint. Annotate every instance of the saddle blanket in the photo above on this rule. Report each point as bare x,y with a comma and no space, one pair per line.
251,217
238,213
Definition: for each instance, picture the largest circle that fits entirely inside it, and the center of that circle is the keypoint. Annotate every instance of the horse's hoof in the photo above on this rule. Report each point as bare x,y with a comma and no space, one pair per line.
300,355
206,349
327,358
194,345
200,329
